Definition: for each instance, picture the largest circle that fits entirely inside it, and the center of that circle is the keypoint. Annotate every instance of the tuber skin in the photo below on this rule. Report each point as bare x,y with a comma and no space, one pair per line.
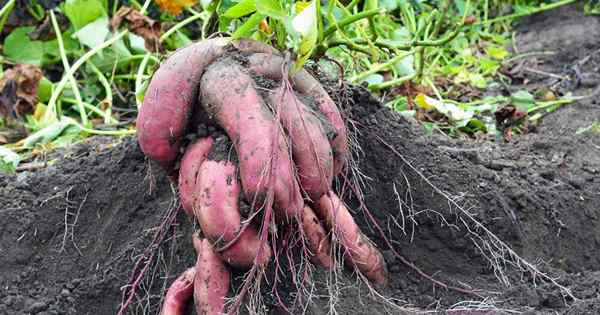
169,100
194,155
228,94
271,65
211,282
216,209
359,252
317,239
310,148
179,293
288,153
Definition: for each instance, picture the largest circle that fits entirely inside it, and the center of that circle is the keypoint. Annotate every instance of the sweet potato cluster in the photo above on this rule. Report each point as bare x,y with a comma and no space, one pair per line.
290,141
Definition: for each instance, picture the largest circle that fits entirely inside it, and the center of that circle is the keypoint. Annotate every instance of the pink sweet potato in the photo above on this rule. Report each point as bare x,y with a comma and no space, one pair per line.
228,94
179,293
211,283
172,92
359,252
270,65
317,239
217,211
194,155
310,147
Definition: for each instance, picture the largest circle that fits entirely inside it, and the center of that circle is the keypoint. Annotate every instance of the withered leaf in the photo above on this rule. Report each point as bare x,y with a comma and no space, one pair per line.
140,25
19,91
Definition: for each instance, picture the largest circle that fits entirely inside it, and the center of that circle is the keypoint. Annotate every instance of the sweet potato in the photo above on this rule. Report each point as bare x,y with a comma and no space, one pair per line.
270,65
228,94
310,149
194,155
317,239
217,211
359,252
211,283
172,92
179,293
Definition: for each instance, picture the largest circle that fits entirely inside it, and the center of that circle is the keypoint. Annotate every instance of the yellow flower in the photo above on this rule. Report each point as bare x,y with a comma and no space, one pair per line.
174,7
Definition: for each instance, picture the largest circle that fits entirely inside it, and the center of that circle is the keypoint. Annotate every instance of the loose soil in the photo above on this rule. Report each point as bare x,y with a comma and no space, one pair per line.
71,232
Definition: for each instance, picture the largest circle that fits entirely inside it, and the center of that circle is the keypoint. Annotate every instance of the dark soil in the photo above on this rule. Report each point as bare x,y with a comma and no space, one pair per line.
71,233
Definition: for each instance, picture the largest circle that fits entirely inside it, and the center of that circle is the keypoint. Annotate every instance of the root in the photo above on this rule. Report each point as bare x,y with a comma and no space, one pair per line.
144,262
493,249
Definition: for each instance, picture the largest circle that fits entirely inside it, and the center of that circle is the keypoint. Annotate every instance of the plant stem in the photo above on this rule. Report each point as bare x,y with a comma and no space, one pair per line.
390,83
121,132
65,61
529,12
349,20
51,112
379,67
139,78
107,118
348,43
107,91
129,76
179,25
5,12
7,7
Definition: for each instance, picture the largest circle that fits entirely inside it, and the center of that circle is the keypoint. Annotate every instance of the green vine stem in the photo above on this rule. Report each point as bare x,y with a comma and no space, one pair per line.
50,114
528,12
65,61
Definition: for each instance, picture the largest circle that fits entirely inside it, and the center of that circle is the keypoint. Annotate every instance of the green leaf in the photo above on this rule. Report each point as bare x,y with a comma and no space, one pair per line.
137,43
388,5
523,99
20,49
405,66
48,133
374,79
271,8
93,34
477,80
44,90
496,52
243,8
9,160
82,12
249,27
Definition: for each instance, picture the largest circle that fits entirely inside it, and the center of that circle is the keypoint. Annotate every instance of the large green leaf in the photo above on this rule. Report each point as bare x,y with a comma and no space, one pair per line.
82,12
249,27
20,49
93,34
243,8
271,8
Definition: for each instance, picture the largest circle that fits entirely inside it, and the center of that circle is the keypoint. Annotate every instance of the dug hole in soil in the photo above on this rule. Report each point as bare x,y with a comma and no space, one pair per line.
71,233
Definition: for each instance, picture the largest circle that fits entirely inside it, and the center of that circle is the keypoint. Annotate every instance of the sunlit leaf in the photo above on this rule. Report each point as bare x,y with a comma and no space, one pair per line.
9,160
243,8
271,8
405,66
496,52
453,112
249,27
82,12
374,79
94,33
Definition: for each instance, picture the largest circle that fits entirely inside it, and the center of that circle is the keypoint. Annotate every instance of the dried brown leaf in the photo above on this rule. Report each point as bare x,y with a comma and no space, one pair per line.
140,25
18,91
